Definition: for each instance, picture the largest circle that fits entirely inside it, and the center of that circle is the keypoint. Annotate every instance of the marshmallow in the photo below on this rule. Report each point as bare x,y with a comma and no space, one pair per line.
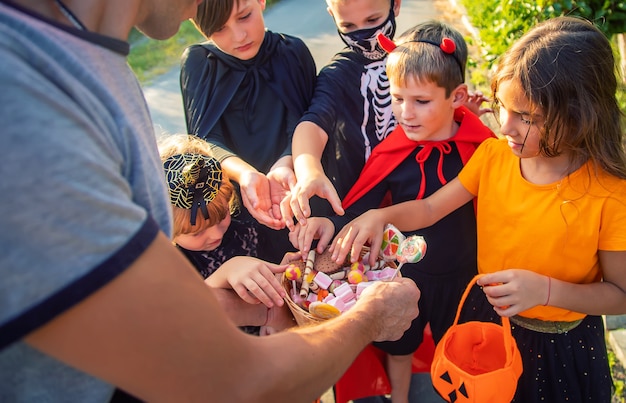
323,280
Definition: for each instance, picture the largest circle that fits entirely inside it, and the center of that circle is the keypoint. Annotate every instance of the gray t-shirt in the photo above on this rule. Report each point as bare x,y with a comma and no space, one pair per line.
81,187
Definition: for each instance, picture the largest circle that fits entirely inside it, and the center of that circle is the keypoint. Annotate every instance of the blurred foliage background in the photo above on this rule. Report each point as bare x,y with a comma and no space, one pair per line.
501,22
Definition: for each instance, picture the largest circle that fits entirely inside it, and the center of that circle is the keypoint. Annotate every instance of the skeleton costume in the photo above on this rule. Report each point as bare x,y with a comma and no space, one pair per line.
352,105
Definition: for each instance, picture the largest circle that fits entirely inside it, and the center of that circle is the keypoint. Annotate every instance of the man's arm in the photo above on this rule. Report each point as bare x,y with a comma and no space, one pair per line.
158,332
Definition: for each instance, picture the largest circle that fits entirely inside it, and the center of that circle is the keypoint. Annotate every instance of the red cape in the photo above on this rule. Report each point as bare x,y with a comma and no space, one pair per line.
397,147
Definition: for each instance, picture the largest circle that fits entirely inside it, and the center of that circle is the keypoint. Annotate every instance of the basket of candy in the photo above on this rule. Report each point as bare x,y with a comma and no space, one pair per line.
319,289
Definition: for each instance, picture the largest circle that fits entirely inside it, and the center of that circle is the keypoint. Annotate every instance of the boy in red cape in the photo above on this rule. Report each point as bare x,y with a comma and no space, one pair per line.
435,137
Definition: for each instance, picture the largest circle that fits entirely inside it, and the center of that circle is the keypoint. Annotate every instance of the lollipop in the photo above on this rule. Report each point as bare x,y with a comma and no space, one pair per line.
392,238
293,273
412,250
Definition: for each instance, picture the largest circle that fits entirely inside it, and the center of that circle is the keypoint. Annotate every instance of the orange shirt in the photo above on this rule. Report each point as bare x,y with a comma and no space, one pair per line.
555,229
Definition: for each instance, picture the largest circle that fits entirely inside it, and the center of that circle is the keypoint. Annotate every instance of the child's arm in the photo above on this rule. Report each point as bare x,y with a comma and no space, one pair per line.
252,279
408,216
308,145
316,228
516,290
255,190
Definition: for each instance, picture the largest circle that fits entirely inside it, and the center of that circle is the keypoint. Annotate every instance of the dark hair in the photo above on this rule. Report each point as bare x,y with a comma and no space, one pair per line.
566,67
426,61
213,14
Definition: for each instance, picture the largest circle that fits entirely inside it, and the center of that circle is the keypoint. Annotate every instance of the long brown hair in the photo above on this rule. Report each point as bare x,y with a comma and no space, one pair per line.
566,67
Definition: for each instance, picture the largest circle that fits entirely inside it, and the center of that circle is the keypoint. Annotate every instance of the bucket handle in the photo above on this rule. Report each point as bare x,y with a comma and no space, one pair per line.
506,324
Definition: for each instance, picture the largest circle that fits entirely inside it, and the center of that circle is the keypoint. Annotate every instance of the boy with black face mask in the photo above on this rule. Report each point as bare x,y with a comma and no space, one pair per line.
350,111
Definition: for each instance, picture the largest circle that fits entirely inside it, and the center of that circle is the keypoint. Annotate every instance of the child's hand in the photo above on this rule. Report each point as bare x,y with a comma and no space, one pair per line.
290,257
513,291
366,229
317,228
474,102
254,280
256,197
281,180
297,204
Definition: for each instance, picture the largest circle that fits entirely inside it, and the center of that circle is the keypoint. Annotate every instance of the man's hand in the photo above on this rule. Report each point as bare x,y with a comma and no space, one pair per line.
392,305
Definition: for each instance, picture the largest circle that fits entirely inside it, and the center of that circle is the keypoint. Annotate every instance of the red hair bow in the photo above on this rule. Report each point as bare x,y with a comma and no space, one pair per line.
386,43
447,45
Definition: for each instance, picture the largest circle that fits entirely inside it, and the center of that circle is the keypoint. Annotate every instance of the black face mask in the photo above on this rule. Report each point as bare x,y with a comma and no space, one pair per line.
364,41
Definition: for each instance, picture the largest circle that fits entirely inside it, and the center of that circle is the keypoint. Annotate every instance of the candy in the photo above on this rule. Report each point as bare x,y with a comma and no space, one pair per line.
358,266
293,272
344,292
323,310
334,285
306,281
337,303
323,280
355,276
412,249
392,238
361,286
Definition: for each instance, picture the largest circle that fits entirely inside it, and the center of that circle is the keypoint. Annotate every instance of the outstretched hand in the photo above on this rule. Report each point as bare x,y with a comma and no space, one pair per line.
317,228
281,180
256,197
366,229
297,203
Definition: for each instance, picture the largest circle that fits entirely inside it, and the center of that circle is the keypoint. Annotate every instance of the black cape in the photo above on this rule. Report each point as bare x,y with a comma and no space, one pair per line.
210,77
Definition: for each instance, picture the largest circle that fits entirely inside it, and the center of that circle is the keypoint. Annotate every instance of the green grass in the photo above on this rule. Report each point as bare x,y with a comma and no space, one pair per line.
150,58
619,377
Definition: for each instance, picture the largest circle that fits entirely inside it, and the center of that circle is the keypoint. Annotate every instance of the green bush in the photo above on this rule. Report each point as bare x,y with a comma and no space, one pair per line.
502,22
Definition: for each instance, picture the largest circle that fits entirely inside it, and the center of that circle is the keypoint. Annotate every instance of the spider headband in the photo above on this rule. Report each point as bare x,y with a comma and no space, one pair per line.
447,46
193,181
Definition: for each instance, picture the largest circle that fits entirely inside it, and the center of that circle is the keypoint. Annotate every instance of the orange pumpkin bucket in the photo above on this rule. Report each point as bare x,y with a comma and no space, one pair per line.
476,361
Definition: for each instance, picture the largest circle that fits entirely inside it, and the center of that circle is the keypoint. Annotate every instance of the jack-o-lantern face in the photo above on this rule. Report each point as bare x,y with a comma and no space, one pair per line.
453,395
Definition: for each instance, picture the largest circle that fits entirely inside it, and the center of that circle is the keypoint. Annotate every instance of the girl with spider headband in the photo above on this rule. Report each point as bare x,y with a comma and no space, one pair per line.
435,137
203,200
551,203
